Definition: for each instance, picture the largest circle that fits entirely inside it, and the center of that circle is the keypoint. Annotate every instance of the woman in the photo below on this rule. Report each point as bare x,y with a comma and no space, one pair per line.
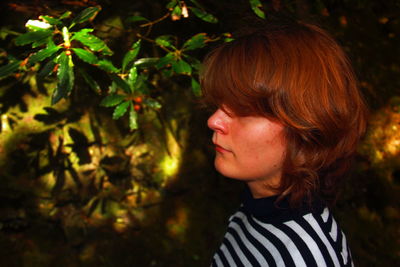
289,116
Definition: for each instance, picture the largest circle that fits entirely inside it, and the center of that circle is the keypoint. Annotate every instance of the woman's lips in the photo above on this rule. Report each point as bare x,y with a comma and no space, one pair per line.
220,149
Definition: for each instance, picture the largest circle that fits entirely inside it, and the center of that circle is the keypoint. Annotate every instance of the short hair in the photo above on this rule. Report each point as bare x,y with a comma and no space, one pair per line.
297,74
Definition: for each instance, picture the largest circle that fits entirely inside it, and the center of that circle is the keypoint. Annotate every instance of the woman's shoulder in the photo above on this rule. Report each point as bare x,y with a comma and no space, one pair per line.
305,238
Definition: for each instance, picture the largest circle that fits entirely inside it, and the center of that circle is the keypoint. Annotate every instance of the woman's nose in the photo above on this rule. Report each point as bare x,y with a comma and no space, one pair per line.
218,122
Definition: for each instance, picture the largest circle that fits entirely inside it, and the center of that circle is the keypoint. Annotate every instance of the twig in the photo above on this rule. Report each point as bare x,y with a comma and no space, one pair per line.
155,21
152,41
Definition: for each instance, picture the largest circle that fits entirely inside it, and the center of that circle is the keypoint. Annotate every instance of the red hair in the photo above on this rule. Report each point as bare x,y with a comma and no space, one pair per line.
298,75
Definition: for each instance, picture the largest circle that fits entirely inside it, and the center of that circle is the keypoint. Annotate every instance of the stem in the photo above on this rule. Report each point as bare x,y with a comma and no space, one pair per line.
155,21
152,41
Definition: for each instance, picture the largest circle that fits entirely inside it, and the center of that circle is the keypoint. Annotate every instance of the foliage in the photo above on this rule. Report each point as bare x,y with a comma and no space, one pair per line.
88,167
56,40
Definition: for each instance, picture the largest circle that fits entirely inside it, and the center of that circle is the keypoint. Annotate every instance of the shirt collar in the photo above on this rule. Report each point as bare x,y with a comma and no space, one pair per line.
269,209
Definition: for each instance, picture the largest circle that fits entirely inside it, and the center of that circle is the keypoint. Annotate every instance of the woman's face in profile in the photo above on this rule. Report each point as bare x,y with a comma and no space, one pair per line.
248,148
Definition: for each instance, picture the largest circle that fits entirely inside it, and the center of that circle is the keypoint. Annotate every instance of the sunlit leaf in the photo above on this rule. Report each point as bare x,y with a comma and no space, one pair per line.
152,103
121,83
132,77
196,87
197,41
93,42
201,14
65,76
133,125
33,37
37,25
165,41
146,62
85,55
181,67
131,55
256,7
51,20
120,110
112,100
9,68
165,60
87,14
43,54
107,65
67,14
90,81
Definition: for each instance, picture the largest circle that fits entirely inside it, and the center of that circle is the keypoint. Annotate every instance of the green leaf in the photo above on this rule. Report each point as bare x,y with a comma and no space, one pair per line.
167,73
65,76
141,84
132,77
135,19
9,68
5,31
120,110
146,62
121,83
197,41
67,14
177,11
33,37
43,54
201,14
181,67
85,55
165,60
112,89
196,87
256,7
171,4
197,4
40,42
51,20
152,103
131,55
165,41
37,25
112,100
133,125
195,63
85,15
47,69
89,80
93,42
107,65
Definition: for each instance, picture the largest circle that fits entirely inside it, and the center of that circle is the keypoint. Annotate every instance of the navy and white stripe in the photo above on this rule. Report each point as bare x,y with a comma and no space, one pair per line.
305,239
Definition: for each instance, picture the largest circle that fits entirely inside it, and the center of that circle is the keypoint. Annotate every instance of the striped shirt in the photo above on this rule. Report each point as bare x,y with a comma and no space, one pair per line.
261,233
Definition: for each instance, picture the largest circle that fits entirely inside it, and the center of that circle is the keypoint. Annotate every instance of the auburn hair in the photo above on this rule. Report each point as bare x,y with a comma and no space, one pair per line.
297,74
